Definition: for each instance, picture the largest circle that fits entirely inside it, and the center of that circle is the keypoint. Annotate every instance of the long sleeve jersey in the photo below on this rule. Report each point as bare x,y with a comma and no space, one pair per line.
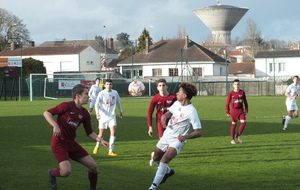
236,100
162,105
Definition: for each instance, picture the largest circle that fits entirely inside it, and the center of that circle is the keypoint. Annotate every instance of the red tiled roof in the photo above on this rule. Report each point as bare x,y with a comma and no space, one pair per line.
170,51
53,50
242,68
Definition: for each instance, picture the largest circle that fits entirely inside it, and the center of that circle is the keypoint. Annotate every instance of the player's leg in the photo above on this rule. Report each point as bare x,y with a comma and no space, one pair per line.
101,135
112,140
63,170
232,132
89,162
242,118
288,118
164,171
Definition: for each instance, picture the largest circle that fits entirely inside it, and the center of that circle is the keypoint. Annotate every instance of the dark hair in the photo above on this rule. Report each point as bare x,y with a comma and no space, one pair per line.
189,89
161,80
78,89
236,80
108,80
295,77
98,79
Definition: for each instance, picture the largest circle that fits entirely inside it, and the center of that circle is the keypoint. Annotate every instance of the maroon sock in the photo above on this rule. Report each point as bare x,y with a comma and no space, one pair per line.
93,177
55,172
232,130
241,128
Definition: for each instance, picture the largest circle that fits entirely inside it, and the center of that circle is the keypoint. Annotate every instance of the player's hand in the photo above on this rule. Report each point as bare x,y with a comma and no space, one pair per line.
121,115
181,138
98,116
56,131
150,132
228,115
104,143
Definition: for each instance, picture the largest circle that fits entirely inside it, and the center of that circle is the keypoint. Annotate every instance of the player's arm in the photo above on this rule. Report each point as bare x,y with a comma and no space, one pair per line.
49,118
164,118
95,137
246,103
97,106
227,105
149,116
193,135
119,105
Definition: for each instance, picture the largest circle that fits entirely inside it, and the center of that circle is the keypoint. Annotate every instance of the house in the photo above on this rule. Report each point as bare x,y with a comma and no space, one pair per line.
173,58
60,58
105,49
279,64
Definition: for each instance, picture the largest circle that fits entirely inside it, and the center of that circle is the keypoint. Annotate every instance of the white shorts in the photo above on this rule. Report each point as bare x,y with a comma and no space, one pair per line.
106,124
291,105
164,143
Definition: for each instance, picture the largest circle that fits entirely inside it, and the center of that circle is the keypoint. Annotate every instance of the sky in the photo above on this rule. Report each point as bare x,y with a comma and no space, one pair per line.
84,19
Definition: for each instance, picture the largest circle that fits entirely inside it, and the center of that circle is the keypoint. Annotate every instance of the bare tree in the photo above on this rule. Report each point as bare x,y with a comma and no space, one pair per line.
12,29
252,41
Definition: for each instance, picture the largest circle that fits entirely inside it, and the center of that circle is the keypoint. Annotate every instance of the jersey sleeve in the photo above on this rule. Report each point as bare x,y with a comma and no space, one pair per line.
87,123
195,121
98,103
227,106
118,102
59,109
150,111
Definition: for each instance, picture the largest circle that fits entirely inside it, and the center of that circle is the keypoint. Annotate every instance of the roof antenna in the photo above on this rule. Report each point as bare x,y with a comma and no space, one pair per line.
219,2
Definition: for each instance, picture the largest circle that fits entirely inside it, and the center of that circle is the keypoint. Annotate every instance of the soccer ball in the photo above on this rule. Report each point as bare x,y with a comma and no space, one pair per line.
136,88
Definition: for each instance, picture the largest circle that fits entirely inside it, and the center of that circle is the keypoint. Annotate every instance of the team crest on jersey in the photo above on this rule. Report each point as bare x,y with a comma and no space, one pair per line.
80,116
113,97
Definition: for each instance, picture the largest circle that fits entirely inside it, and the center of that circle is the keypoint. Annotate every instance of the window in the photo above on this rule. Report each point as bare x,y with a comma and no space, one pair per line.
90,63
281,67
156,72
270,67
173,72
197,71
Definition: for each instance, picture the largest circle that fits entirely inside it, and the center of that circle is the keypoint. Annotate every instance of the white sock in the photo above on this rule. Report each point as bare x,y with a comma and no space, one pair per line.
112,140
98,143
160,173
287,120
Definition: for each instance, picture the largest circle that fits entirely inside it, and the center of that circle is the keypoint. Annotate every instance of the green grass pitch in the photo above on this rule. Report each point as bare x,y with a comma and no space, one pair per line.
268,159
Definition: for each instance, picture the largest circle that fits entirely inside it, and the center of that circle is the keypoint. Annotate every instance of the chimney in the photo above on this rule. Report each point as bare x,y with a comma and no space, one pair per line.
186,42
12,46
110,43
31,44
147,45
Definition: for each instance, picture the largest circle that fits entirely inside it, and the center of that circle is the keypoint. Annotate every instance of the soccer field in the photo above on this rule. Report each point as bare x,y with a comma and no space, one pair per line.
268,159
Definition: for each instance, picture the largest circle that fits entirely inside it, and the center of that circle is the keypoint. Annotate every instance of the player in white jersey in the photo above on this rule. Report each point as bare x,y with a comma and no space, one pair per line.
93,93
183,116
106,103
291,102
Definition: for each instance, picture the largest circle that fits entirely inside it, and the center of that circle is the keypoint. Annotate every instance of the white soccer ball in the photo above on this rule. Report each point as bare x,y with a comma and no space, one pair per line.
136,88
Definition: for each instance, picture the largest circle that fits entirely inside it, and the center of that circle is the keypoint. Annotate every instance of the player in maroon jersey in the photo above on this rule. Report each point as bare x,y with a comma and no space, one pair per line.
64,147
162,102
236,100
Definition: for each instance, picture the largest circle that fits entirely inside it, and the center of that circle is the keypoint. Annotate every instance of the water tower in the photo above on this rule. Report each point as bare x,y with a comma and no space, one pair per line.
221,19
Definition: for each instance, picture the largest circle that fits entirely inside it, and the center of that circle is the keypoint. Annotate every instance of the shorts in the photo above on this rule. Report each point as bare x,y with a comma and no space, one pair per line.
291,106
66,149
164,143
237,114
108,123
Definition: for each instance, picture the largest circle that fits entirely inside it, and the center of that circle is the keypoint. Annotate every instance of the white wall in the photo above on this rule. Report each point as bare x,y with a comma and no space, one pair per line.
262,67
89,60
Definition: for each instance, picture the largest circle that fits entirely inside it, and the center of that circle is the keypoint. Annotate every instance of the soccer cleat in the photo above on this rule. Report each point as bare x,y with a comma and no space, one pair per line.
233,142
112,154
96,150
52,180
284,129
151,160
240,140
283,120
172,172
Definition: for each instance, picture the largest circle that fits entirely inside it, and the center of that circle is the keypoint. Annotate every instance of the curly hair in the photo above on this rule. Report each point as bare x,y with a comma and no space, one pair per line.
189,89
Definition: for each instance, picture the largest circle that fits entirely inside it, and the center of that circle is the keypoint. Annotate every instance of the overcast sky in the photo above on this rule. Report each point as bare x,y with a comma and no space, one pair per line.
84,19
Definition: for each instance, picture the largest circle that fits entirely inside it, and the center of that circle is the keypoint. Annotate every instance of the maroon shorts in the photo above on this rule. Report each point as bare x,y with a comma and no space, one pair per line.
66,149
237,114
